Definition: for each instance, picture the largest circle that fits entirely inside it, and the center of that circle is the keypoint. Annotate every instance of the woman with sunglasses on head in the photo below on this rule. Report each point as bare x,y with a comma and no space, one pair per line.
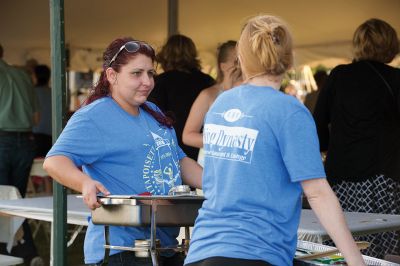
125,145
261,153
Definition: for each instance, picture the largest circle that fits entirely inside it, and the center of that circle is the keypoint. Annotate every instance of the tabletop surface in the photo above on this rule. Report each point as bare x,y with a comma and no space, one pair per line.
41,208
358,222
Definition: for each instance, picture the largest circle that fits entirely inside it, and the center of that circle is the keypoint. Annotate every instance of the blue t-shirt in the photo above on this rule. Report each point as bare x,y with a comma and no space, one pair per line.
258,145
128,155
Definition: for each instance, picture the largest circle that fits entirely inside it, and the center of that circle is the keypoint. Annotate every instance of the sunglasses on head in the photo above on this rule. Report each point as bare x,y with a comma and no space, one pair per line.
131,47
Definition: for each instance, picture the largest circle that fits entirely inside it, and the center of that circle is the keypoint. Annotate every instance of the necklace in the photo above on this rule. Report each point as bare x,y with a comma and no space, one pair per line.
265,80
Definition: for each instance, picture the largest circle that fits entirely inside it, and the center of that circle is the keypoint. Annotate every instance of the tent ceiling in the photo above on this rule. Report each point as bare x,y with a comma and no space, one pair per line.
322,29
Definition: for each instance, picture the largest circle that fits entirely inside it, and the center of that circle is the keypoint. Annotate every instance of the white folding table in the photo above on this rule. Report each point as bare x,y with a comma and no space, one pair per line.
359,224
41,208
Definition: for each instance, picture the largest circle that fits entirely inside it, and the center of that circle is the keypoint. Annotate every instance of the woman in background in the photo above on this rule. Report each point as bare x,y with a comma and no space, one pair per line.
358,122
226,79
180,84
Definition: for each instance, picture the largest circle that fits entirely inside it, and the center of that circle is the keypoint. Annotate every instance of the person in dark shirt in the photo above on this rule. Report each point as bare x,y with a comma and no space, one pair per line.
42,131
358,124
311,98
180,84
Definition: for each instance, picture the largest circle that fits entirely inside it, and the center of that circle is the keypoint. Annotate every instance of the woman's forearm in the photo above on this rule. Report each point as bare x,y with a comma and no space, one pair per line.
63,170
191,138
324,203
191,172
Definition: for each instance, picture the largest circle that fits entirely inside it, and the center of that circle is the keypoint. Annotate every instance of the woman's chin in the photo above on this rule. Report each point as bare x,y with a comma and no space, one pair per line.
140,100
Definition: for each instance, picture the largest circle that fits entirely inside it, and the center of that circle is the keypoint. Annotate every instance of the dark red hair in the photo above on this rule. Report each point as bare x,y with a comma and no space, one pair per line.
102,88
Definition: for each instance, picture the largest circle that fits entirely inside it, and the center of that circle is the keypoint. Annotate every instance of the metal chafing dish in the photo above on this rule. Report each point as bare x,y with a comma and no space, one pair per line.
136,210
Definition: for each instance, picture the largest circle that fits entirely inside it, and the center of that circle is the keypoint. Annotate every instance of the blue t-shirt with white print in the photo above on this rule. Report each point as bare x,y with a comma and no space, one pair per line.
128,155
258,144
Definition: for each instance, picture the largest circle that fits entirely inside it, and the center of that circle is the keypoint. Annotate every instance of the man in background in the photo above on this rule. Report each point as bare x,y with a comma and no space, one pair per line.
18,114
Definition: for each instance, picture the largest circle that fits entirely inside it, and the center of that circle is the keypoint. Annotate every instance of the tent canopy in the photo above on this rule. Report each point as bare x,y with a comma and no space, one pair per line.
322,30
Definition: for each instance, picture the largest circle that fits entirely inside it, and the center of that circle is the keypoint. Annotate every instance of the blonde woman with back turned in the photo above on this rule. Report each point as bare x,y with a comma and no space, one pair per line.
261,152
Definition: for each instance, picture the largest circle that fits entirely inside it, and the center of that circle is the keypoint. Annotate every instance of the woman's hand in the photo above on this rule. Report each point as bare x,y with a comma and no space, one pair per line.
90,189
64,171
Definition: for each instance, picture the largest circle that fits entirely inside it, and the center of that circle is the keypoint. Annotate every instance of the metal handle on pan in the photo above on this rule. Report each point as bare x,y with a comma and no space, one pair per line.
115,201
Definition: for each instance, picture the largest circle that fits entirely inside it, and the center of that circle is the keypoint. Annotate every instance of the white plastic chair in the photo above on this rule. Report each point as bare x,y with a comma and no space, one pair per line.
38,171
9,226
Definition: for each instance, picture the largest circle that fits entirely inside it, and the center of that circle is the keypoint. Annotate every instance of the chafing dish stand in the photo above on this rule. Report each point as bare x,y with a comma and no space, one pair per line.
134,210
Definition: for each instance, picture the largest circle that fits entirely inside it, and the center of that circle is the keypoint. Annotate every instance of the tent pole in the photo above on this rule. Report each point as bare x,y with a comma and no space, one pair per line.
172,17
58,84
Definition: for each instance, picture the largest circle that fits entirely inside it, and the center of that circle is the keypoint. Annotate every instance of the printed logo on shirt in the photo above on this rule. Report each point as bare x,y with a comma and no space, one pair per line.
161,167
230,143
233,115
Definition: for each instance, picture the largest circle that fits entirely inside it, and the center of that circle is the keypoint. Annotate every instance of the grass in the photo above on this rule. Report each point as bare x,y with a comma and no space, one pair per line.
74,252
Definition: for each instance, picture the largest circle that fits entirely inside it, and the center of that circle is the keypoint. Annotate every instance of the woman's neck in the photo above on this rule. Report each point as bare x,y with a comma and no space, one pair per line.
266,80
226,84
133,110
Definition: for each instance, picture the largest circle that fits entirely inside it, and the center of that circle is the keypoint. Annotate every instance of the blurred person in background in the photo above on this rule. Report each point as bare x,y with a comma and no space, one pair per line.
358,122
228,76
19,112
182,81
311,98
42,131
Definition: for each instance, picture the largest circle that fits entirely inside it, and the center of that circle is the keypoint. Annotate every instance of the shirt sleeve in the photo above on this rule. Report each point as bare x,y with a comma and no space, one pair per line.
80,141
299,147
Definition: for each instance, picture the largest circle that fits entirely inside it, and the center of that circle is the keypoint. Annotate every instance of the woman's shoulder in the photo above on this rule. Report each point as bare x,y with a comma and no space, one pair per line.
211,92
343,68
95,106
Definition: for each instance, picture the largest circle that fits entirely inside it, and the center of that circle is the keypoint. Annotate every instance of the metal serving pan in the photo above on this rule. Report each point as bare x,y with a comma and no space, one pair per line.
134,210
314,247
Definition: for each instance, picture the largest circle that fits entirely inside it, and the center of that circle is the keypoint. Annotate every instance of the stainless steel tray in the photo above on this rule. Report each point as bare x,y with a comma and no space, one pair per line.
318,247
134,210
